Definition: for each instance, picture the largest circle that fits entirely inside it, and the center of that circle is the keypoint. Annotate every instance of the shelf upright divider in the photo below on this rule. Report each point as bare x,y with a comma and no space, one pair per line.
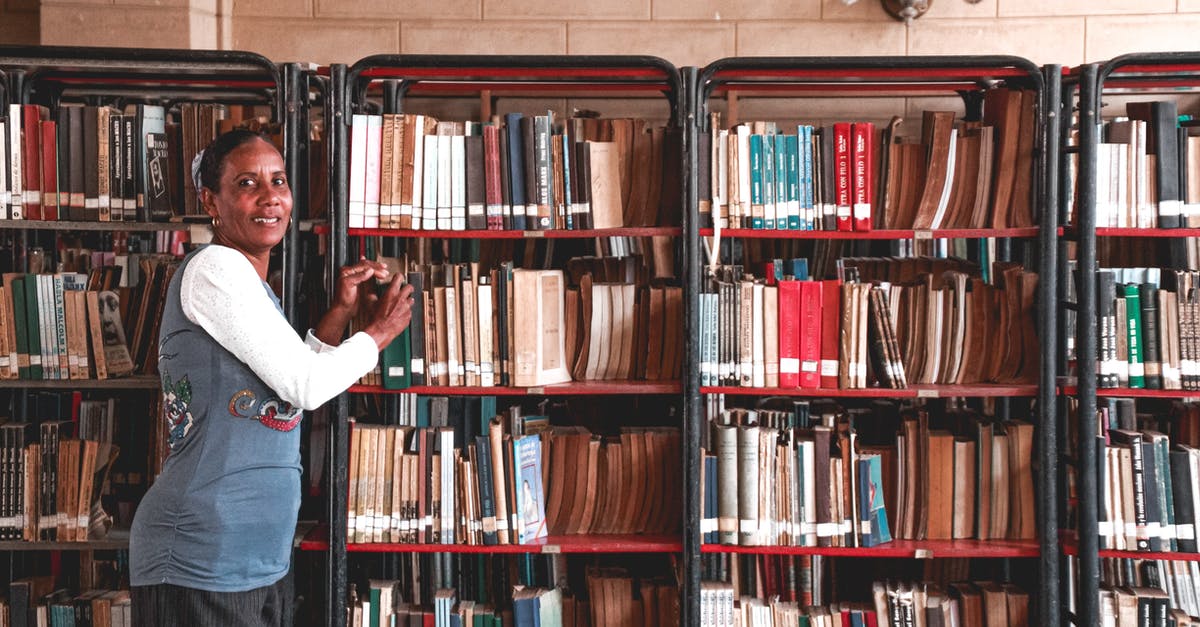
339,432
295,130
1087,603
693,407
1048,609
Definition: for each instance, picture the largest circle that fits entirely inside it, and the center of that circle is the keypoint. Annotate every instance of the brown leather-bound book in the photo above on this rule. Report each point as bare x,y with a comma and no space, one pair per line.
966,180
1021,210
624,318
1018,606
826,525
983,179
939,488
623,136
964,489
641,333
846,330
937,131
1002,111
571,315
674,342
641,152
606,182
995,604
31,482
970,604
1001,477
1022,525
585,337
984,435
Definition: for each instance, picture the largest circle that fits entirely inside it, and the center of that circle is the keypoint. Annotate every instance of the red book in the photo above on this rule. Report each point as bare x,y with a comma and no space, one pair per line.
49,148
812,334
864,179
32,159
872,621
831,299
789,334
491,178
771,271
841,175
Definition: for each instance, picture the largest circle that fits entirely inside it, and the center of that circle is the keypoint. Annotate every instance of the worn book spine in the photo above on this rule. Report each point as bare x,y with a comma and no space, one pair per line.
789,315
371,179
843,176
754,158
32,171
356,214
864,180
1151,349
458,183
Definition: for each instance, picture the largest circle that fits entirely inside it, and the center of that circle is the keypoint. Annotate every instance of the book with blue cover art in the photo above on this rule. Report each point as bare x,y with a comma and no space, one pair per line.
872,514
531,502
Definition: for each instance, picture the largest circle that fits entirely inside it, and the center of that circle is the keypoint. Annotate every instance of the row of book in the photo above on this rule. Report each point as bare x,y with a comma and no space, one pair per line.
1146,327
885,322
1132,590
518,172
769,481
96,163
850,176
50,478
506,326
1147,169
53,327
418,486
614,599
895,604
33,602
1147,487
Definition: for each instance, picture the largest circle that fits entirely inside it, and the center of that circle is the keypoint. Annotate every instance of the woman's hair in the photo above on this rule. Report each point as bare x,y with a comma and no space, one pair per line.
212,158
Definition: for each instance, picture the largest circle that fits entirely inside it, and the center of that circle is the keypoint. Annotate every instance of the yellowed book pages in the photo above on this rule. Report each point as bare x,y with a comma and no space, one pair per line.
605,185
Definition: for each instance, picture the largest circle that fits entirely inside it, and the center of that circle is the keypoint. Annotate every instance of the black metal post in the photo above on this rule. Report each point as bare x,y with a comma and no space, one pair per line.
1048,610
337,108
693,415
295,132
1088,603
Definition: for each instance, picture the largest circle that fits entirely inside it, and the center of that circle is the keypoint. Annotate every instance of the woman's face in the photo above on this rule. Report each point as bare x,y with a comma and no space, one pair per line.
254,202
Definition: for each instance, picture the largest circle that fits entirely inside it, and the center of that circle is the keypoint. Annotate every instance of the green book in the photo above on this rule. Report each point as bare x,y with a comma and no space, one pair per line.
374,605
394,362
33,327
756,182
17,288
1133,325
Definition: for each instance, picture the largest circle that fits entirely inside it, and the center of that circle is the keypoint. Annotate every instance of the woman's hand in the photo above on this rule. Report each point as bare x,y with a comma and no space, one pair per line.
392,312
350,279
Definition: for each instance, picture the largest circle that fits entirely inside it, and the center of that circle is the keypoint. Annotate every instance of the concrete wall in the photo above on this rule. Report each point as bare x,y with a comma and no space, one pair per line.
685,32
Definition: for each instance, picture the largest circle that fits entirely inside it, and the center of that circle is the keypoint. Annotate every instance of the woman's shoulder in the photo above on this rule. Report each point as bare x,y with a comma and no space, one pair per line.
218,258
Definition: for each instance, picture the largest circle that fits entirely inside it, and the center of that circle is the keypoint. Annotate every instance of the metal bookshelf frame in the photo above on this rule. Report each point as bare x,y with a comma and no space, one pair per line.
461,76
1145,73
968,77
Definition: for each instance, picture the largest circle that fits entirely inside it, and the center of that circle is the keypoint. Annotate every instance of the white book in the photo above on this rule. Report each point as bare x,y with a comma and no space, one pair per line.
429,203
60,325
4,174
721,197
743,162
458,183
453,337
371,183
46,326
758,366
449,485
16,200
416,209
944,200
538,334
483,301
445,178
356,213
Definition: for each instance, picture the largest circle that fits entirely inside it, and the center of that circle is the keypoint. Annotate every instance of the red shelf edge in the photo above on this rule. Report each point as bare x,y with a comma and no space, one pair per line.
921,549
920,391
632,231
881,234
562,389
1071,390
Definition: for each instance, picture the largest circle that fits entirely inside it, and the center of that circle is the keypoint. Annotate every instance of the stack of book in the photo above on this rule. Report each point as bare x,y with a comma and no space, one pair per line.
468,330
894,604
1136,606
849,176
442,485
518,172
887,322
1149,586
33,601
89,163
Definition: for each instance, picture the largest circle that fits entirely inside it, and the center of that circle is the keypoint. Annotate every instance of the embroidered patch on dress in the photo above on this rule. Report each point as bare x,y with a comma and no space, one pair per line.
273,413
176,398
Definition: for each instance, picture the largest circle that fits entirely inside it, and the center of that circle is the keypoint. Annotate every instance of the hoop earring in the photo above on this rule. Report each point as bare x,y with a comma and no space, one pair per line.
216,223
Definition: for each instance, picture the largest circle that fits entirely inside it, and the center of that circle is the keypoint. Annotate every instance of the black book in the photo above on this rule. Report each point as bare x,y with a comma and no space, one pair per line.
65,171
89,156
583,180
416,328
158,177
505,184
1152,485
1162,140
487,499
72,205
828,180
502,287
131,172
1185,508
705,175
1106,318
528,147
476,191
1151,352
116,167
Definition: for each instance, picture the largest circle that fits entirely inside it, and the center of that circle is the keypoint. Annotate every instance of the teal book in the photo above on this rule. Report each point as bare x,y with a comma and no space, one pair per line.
873,516
783,207
792,150
32,327
17,288
394,362
770,207
756,182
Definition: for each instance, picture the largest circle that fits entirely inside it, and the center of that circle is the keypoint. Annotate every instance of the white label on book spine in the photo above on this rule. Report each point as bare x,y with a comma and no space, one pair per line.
862,210
808,528
1170,208
829,368
1185,532
1152,530
826,530
501,523
708,525
417,364
865,527
789,365
1137,370
748,526
1112,366
35,360
395,371
808,366
1105,528
859,369
12,521
1131,530
1167,532
1187,367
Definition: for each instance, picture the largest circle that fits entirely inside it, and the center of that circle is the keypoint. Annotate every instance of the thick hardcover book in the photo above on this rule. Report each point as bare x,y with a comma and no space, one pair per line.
863,189
116,169
50,184
1151,351
1182,482
492,173
747,485
789,315
756,211
476,177
372,173
151,119
1132,441
66,162
416,330
842,176
530,153
158,191
15,172
1106,314
89,206
1133,330
1163,142
31,161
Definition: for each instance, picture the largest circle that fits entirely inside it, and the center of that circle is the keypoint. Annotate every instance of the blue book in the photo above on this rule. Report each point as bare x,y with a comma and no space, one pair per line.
756,182
531,502
792,148
871,508
770,206
807,196
797,268
782,208
516,169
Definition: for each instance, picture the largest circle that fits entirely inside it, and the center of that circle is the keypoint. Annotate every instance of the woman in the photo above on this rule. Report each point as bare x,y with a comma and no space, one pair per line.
211,541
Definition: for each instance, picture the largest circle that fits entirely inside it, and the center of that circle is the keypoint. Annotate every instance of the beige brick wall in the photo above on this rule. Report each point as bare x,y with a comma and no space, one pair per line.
685,32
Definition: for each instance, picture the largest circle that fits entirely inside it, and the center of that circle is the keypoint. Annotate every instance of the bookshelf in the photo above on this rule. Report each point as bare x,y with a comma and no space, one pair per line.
57,76
1129,78
732,86
394,84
